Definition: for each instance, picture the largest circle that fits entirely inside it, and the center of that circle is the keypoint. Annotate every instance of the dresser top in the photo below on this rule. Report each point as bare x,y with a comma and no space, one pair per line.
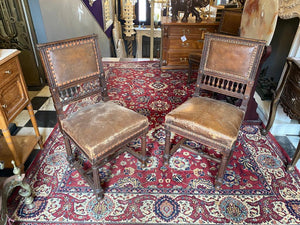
7,54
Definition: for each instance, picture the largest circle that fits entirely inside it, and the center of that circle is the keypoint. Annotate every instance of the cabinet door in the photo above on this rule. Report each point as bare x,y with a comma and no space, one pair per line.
12,97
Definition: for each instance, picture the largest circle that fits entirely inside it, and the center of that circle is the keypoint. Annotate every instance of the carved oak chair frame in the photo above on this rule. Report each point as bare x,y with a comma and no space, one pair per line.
228,67
101,131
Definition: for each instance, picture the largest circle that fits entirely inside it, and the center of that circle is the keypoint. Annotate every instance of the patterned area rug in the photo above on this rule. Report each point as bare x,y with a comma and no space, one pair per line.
256,190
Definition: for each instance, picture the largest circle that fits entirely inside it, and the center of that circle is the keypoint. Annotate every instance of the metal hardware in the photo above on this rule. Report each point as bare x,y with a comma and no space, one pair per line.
186,31
1,165
4,106
7,72
185,44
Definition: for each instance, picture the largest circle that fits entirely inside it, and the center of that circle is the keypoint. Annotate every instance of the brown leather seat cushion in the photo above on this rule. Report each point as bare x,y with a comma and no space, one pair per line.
207,118
98,128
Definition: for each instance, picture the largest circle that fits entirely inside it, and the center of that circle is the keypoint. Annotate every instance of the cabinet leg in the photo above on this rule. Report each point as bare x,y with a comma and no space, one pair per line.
295,159
34,124
11,146
273,109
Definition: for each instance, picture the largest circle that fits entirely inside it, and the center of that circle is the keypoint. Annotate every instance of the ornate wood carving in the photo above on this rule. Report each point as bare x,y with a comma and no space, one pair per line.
188,6
289,9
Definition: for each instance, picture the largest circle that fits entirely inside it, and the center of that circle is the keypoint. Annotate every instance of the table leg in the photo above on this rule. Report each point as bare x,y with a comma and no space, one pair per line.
34,124
9,141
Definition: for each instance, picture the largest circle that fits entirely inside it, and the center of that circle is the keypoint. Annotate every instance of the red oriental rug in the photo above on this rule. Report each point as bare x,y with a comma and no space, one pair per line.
256,190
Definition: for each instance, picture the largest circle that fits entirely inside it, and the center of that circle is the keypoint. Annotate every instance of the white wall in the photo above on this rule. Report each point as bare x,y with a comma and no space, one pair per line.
70,18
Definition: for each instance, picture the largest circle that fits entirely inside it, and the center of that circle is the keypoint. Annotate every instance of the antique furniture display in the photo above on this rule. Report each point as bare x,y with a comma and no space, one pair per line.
98,131
188,6
181,39
209,121
288,95
13,99
229,24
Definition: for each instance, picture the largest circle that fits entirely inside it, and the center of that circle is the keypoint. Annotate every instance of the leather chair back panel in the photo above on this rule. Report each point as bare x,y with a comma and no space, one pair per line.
63,60
229,64
232,59
67,59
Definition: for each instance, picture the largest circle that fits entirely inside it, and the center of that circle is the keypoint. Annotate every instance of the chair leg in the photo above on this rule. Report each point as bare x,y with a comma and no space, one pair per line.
190,72
70,156
144,159
224,162
167,148
97,185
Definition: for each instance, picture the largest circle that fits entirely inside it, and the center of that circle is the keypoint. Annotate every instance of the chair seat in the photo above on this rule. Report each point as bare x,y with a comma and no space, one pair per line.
207,118
98,128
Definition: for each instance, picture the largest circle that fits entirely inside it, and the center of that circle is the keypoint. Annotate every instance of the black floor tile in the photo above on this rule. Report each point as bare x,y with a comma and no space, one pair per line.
44,119
35,88
9,172
286,145
37,102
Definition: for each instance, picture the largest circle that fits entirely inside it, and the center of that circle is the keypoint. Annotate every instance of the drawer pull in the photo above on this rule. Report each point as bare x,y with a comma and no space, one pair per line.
186,31
7,72
183,59
4,106
185,44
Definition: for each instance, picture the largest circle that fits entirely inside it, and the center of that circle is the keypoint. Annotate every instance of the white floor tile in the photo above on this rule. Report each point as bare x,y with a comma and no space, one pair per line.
47,106
22,118
45,92
294,140
32,94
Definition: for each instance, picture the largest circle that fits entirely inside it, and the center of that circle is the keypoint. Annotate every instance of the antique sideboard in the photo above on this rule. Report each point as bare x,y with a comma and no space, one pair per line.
288,95
181,39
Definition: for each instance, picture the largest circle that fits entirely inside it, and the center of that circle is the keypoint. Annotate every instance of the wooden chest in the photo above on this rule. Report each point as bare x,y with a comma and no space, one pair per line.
181,39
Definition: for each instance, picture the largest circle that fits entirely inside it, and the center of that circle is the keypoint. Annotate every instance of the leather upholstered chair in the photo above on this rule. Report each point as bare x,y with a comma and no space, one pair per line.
228,66
96,132
229,24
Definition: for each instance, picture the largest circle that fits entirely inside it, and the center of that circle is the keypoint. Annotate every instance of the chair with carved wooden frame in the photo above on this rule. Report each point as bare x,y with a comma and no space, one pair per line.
95,132
228,67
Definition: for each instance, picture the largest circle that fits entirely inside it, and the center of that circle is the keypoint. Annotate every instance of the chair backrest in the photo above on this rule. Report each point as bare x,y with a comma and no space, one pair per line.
73,69
230,22
229,65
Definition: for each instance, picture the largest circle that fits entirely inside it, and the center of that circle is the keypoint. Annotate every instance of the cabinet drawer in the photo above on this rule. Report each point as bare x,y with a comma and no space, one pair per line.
176,58
8,69
190,31
188,44
12,97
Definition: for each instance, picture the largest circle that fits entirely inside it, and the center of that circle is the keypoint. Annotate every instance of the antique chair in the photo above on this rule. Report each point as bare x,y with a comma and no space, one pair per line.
229,24
228,66
95,133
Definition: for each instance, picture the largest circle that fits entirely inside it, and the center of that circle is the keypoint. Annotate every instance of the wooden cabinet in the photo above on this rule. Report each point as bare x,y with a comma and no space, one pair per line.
181,39
288,95
13,99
